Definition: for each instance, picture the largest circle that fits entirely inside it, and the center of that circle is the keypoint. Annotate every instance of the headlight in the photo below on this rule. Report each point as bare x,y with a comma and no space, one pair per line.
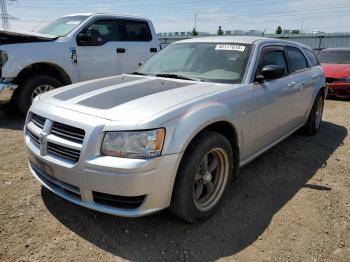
345,79
3,57
133,144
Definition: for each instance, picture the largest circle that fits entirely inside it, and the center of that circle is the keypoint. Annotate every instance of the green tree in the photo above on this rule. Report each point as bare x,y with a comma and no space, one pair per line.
296,32
194,32
220,31
279,30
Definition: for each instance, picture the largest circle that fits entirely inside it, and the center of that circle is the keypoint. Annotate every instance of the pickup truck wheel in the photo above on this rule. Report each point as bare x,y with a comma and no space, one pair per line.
202,177
313,123
31,87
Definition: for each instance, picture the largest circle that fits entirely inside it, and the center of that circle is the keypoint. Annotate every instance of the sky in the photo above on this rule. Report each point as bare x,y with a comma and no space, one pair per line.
179,15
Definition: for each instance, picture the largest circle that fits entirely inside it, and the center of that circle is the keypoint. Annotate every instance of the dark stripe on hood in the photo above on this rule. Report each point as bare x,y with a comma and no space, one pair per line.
85,88
122,95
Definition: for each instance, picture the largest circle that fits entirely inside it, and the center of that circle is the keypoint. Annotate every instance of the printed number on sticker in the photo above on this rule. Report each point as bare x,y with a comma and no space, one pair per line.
230,47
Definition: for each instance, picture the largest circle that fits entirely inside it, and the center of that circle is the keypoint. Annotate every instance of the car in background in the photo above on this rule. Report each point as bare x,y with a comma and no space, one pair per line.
336,65
71,49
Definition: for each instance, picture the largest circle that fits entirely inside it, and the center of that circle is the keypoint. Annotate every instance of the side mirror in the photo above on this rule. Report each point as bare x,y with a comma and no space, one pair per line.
271,72
83,39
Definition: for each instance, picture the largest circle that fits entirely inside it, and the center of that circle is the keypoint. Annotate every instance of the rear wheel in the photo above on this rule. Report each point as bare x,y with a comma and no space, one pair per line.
32,87
202,177
314,121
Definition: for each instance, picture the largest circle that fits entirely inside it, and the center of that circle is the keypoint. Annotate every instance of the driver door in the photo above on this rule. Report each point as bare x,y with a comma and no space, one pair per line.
102,54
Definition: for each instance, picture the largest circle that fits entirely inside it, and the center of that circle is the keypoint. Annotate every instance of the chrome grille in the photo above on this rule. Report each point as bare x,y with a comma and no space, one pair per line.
34,138
64,152
68,132
62,133
37,120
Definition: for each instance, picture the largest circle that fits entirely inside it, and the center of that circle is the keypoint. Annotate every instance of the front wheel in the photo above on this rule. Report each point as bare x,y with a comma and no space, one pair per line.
32,87
202,177
313,122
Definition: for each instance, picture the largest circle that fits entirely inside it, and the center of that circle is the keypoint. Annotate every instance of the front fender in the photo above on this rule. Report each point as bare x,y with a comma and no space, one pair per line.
20,56
187,125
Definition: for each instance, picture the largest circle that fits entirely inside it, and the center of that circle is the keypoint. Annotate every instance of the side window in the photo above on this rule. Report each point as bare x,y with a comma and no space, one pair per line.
137,31
272,56
102,32
312,57
296,59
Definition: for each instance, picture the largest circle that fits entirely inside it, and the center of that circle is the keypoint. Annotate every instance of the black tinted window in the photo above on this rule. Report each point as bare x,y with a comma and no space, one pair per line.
135,31
312,57
102,32
296,58
271,56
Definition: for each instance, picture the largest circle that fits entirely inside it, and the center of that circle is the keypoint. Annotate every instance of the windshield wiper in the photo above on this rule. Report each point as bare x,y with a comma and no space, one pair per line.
178,77
138,73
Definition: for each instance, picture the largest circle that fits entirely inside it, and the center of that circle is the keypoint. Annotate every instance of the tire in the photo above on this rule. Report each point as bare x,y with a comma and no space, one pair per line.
315,117
189,200
32,86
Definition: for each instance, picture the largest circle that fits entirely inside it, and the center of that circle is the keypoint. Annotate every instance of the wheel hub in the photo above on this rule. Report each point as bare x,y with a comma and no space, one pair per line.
211,179
207,177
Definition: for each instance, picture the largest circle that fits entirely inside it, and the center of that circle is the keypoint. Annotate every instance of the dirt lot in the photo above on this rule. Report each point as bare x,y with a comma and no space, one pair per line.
291,204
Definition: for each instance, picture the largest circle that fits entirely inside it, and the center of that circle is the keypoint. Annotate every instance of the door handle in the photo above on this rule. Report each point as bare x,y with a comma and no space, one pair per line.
291,84
314,76
120,50
153,50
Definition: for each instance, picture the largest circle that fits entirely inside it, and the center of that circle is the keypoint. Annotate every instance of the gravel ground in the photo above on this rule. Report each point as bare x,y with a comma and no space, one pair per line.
291,204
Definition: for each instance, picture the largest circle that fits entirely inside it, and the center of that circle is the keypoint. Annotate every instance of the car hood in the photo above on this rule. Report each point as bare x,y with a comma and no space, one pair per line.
128,97
15,37
336,70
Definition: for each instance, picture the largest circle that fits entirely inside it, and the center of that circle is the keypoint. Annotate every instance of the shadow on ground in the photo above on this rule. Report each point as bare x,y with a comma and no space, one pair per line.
263,188
11,118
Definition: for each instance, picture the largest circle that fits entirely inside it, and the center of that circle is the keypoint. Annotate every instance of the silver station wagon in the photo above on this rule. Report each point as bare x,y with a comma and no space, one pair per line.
175,132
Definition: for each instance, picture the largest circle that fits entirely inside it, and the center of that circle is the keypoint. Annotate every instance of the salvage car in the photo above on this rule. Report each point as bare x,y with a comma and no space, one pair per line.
336,65
174,133
71,49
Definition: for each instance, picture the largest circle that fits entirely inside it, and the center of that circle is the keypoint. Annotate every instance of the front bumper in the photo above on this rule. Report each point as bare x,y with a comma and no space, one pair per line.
131,194
117,186
339,89
6,92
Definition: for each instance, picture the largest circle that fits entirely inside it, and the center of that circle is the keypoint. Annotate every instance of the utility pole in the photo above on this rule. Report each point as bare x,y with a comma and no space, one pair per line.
195,21
301,25
4,15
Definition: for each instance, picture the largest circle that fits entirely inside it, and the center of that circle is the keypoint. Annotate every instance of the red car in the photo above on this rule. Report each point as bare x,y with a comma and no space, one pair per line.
336,65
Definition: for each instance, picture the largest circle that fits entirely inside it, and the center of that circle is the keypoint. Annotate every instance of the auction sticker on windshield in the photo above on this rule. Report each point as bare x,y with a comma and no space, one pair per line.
230,47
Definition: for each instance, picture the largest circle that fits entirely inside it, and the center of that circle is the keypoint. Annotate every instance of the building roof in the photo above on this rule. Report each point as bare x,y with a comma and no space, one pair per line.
337,49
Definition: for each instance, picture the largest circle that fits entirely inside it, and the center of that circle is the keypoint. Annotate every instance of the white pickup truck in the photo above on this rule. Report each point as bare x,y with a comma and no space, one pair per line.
74,48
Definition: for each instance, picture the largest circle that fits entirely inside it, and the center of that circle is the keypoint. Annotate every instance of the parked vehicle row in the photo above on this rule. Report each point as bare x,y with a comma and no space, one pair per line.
174,133
74,48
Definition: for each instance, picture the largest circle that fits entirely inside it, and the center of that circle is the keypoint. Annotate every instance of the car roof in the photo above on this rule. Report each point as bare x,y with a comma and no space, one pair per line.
240,39
107,15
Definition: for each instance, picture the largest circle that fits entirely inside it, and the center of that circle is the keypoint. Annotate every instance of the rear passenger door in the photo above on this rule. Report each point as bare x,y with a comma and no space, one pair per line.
302,83
139,42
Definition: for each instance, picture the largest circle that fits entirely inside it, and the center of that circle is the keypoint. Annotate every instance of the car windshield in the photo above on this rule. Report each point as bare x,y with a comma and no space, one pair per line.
62,26
209,62
334,57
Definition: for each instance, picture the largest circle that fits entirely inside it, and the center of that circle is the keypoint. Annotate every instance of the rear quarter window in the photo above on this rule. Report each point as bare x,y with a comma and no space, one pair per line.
312,57
296,58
